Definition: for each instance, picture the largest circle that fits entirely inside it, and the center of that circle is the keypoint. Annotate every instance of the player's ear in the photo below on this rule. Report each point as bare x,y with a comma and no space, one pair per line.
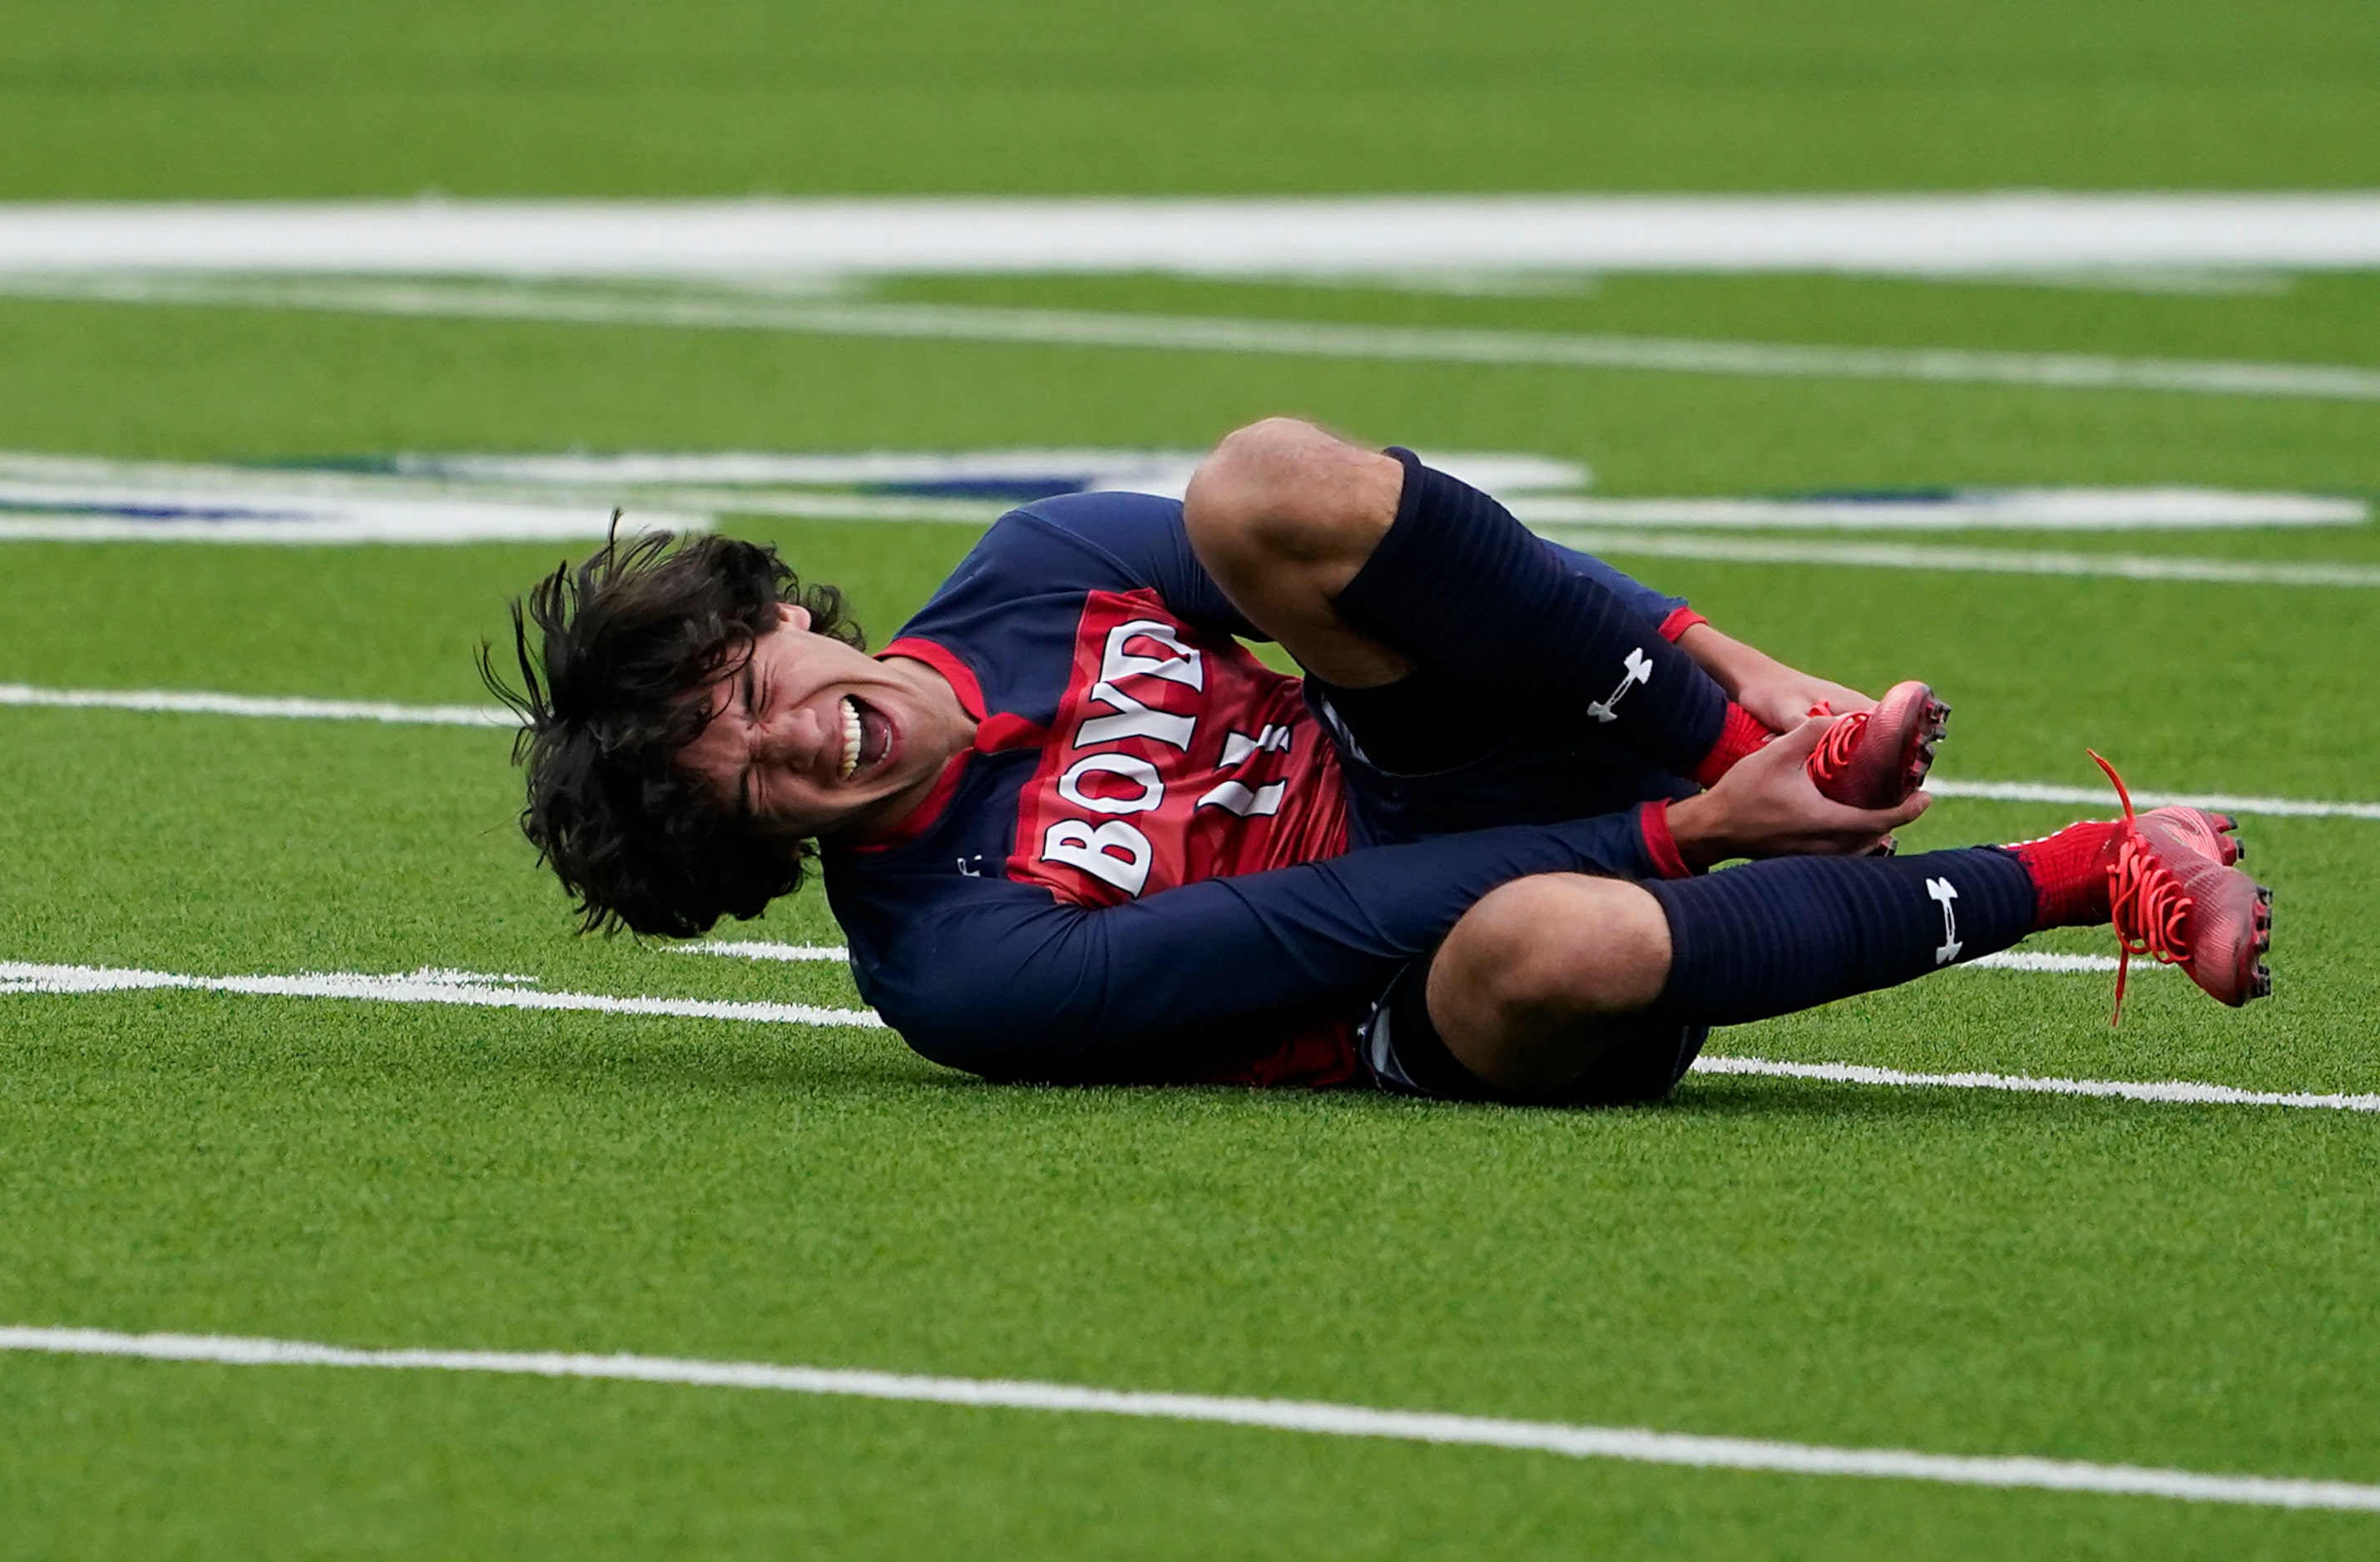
793,615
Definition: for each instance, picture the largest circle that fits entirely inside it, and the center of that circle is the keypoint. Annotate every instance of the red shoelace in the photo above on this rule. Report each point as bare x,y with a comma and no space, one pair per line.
1836,743
2144,890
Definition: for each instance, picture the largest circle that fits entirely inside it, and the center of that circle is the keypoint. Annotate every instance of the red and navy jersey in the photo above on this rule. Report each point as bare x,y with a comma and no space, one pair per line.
1141,870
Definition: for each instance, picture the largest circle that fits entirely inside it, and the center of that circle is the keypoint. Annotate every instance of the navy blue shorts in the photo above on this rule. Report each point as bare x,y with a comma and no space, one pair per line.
1390,741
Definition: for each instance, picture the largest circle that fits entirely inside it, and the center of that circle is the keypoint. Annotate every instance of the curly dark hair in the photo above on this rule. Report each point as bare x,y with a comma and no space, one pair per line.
625,638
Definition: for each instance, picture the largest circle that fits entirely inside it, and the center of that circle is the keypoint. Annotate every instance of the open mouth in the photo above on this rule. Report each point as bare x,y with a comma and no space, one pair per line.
866,736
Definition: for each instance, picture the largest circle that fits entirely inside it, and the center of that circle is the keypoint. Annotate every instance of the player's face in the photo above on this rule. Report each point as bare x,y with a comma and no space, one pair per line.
809,737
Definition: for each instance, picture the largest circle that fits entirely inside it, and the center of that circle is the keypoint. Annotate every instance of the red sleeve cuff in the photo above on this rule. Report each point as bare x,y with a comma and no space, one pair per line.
1680,618
1653,820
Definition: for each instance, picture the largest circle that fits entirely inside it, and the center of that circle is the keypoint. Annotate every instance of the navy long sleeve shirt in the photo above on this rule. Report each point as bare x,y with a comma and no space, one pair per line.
1142,870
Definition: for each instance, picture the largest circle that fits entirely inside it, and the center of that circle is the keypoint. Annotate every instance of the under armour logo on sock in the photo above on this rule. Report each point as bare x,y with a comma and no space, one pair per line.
1945,892
1640,671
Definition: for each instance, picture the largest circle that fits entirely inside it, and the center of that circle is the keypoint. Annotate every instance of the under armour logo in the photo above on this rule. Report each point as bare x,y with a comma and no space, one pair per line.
1639,671
1945,892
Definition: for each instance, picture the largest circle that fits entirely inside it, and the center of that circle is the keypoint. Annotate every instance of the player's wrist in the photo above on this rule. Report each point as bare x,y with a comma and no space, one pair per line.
1660,846
1698,832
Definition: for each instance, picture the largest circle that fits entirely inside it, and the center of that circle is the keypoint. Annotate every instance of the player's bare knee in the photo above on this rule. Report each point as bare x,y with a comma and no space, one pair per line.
1283,495
1243,504
1556,946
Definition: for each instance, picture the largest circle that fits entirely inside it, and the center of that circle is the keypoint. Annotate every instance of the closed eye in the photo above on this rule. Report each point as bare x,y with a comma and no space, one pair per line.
751,716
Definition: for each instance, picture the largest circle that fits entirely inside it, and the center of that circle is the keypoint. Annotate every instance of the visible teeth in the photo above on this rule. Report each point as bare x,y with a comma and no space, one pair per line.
851,735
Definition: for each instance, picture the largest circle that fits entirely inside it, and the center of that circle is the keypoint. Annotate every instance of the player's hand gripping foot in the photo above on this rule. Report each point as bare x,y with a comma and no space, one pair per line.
1768,806
2175,896
1876,758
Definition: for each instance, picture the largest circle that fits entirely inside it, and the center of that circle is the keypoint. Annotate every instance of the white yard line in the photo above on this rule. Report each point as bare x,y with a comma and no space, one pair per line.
426,986
1353,236
2045,959
2015,509
442,986
2100,798
198,702
1970,560
1313,1418
760,948
204,703
2176,1092
951,323
487,524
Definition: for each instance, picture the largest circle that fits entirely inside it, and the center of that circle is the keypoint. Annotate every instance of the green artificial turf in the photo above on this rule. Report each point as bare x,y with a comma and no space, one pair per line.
121,98
1948,1271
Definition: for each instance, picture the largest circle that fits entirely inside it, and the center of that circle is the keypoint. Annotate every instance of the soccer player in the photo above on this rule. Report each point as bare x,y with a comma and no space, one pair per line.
1073,830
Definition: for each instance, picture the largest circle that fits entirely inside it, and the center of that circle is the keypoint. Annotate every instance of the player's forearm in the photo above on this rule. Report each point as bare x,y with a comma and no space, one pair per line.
1776,695
1730,661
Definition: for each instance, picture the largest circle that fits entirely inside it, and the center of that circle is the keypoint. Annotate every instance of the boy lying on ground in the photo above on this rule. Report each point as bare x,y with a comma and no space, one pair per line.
1075,831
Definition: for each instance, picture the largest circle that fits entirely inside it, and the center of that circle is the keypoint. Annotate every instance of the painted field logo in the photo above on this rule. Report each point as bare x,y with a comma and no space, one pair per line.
465,498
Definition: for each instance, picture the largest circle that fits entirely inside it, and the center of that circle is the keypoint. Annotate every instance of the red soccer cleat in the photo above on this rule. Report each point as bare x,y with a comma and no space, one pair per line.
2175,896
1876,758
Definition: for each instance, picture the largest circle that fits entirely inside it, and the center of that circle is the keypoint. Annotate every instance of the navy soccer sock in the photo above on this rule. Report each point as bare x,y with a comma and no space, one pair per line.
1463,589
1774,937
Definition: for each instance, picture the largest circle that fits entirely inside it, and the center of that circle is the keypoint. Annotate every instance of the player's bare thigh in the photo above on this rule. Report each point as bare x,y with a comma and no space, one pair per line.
1545,975
1283,515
